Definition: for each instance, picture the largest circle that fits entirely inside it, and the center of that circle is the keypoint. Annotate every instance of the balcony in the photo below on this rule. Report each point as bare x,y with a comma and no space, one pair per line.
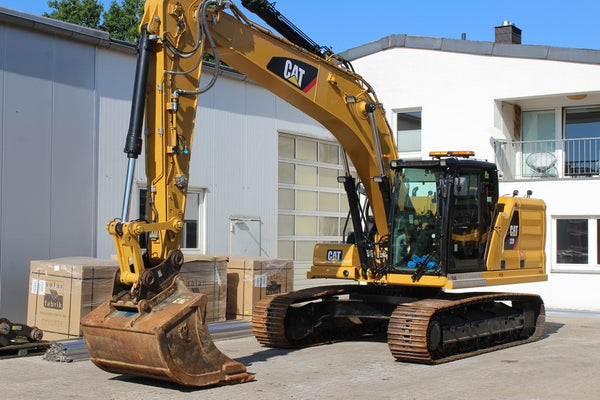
565,158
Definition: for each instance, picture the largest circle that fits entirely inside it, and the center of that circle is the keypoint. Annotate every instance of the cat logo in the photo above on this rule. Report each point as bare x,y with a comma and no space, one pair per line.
334,255
297,73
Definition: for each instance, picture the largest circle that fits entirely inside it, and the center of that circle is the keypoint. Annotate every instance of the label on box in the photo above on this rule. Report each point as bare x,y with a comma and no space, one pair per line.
273,288
260,280
54,295
54,300
38,287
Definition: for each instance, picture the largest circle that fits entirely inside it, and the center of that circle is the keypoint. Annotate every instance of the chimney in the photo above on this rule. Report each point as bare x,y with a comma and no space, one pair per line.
508,33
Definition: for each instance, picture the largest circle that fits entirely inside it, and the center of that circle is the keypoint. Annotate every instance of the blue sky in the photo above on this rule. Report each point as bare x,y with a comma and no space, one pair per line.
343,24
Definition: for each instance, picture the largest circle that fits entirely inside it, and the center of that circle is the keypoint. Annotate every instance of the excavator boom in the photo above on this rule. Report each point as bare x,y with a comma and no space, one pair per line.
149,301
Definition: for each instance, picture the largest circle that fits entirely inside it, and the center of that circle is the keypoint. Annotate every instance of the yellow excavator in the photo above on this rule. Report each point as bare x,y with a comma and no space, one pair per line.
419,227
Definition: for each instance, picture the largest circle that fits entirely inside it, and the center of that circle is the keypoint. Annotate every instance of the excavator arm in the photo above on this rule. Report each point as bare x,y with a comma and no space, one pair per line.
153,325
319,83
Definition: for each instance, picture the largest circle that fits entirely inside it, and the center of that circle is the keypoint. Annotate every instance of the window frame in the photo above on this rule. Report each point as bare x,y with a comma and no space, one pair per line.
395,112
593,246
200,221
547,145
572,152
297,242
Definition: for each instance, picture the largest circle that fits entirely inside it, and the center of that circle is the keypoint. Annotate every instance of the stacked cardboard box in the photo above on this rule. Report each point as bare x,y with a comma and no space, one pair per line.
63,290
208,275
253,278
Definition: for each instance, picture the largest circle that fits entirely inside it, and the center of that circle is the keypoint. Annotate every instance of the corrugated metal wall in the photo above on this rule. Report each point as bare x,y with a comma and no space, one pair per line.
235,157
114,86
65,112
48,156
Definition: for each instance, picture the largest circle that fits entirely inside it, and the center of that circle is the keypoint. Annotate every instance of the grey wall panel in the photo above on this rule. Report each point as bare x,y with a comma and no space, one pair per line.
114,82
231,160
2,59
26,167
235,156
73,150
47,158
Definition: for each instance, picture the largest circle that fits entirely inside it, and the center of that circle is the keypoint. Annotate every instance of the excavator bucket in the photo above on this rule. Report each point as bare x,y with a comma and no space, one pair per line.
166,339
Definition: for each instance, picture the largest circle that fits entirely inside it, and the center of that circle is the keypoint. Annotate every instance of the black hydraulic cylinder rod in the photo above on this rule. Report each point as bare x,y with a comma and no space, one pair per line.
384,181
133,142
359,235
267,12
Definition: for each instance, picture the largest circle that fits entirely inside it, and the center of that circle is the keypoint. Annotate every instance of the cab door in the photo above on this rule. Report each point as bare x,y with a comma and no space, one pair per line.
473,195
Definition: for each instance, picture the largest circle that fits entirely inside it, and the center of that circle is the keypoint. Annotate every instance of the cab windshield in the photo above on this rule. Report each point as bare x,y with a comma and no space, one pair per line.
417,221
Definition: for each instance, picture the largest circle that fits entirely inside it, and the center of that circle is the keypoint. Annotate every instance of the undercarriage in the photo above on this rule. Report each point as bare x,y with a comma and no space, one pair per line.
422,325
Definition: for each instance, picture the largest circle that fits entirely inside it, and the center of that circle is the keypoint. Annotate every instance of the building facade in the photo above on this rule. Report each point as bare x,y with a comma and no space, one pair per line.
534,110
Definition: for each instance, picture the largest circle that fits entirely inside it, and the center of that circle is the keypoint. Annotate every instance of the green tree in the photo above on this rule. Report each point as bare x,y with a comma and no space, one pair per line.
122,20
81,12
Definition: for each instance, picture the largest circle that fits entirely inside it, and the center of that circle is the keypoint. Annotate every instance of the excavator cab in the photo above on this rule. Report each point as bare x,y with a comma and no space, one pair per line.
441,215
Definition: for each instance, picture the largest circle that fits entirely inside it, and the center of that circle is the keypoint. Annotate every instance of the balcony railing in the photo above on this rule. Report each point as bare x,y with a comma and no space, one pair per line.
549,158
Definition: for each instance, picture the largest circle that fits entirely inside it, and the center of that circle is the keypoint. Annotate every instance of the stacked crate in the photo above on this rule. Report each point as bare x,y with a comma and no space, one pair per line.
250,279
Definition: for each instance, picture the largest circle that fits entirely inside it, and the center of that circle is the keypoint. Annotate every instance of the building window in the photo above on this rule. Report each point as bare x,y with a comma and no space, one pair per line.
582,140
572,241
193,226
193,237
408,131
312,204
539,147
577,243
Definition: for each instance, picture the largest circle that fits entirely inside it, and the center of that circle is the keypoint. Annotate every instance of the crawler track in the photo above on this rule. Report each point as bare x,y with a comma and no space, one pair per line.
433,330
268,319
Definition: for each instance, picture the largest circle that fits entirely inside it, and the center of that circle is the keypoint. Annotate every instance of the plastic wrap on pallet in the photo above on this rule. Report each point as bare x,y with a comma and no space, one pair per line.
208,275
250,279
63,290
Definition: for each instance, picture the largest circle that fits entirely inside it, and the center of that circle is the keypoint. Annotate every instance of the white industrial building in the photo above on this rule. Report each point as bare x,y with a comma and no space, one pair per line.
263,174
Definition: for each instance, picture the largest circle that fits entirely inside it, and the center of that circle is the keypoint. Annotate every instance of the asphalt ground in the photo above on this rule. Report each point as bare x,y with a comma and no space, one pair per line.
562,365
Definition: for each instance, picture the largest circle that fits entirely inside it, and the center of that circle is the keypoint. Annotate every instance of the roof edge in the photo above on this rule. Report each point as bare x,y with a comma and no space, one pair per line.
63,29
87,35
567,54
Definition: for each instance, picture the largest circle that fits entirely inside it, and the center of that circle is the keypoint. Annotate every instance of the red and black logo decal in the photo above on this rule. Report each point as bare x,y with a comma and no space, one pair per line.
298,73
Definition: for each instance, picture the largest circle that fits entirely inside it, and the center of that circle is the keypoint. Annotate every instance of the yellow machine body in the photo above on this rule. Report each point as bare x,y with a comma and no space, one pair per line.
520,261
153,326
